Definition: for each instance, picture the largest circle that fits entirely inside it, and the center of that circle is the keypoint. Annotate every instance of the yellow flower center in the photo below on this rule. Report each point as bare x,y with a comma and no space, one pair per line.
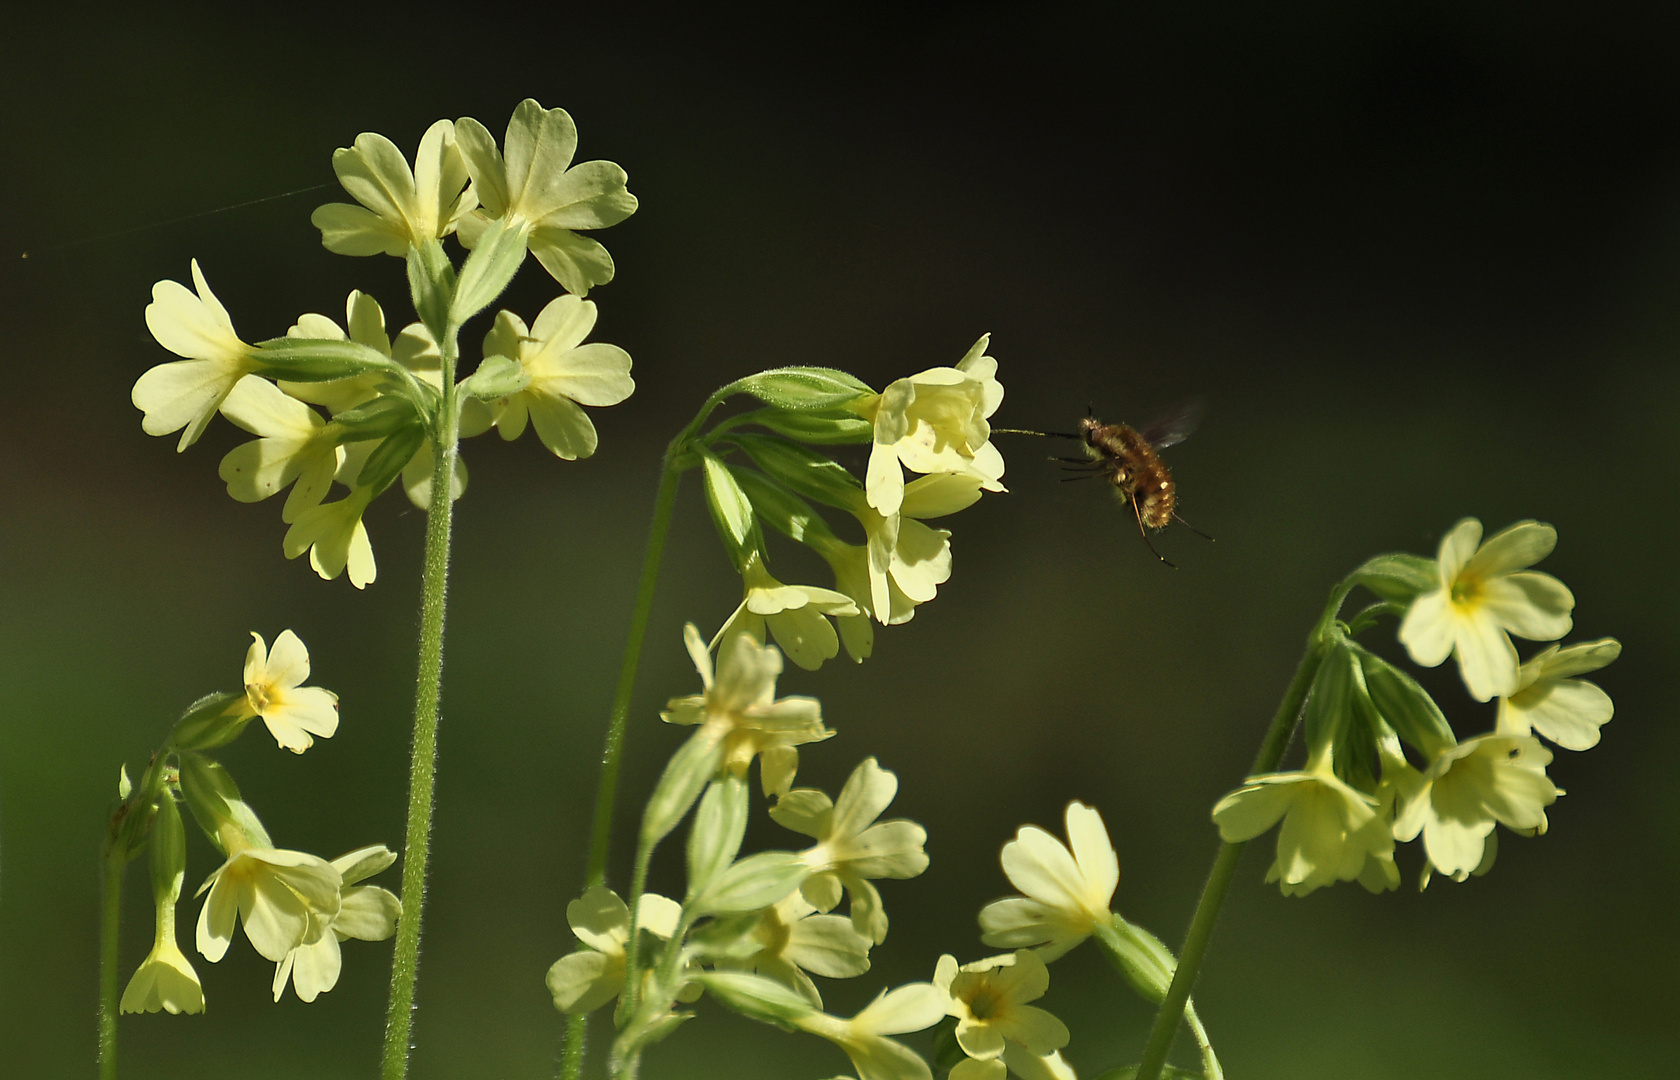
985,1004
260,695
1466,592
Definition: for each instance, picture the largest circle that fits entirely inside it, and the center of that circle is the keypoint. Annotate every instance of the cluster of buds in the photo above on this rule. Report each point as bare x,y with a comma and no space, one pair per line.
295,907
349,404
1359,791
933,423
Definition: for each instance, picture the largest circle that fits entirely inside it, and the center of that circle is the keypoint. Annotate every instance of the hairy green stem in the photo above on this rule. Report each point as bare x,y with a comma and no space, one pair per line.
1225,862
428,687
110,922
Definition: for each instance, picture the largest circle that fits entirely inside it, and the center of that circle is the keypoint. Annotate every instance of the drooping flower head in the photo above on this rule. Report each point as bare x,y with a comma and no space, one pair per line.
1067,889
165,979
1330,833
1486,593
284,898
294,444
796,616
1469,787
336,539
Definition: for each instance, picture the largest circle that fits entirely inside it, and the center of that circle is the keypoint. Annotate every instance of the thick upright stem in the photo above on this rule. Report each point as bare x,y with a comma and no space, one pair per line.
423,764
1225,862
110,923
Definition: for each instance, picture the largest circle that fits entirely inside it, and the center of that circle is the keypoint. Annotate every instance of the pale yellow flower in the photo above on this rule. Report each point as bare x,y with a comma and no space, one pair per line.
795,615
1485,592
739,713
1330,831
399,209
794,939
864,1036
1469,787
1066,892
165,979
295,443
908,561
365,912
565,374
187,393
284,898
852,847
934,422
594,975
274,690
989,999
533,184
1547,700
335,538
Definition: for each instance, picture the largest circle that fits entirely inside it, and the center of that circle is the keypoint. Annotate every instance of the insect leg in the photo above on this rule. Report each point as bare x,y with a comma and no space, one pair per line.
1191,527
1138,513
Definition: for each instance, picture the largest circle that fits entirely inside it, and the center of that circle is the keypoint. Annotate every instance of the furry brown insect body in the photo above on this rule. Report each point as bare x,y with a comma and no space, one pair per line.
1128,461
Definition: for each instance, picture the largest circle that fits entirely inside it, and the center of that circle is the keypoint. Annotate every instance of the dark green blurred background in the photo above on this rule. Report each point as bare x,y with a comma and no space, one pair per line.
1422,260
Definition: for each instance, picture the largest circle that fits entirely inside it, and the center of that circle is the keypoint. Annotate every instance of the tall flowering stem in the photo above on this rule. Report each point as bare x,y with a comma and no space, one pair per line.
675,461
110,922
1167,1019
423,763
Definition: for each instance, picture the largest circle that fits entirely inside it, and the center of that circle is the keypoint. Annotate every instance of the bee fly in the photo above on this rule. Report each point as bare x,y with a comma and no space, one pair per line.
1130,460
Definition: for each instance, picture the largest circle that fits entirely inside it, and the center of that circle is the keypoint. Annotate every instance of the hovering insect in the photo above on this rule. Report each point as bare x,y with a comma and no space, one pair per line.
1130,460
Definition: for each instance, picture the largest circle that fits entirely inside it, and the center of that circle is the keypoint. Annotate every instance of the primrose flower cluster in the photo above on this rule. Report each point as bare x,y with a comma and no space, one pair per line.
934,423
351,404
1360,790
755,932
295,907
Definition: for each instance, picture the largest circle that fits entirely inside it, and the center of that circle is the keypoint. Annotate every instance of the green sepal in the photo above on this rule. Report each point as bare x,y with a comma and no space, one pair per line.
784,511
1406,706
209,722
661,1027
131,821
390,457
804,388
124,785
752,884
947,1052
732,511
1141,958
496,377
1398,577
214,800
318,359
732,938
1356,745
686,774
714,838
494,260
1331,702
817,427
377,418
757,996
169,851
431,285
804,471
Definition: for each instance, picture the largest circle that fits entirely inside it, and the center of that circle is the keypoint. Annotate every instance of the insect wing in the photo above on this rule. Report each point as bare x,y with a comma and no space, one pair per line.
1175,425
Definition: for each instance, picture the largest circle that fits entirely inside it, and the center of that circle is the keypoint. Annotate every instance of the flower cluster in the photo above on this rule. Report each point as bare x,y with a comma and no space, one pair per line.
295,907
754,931
348,405
1360,792
933,423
